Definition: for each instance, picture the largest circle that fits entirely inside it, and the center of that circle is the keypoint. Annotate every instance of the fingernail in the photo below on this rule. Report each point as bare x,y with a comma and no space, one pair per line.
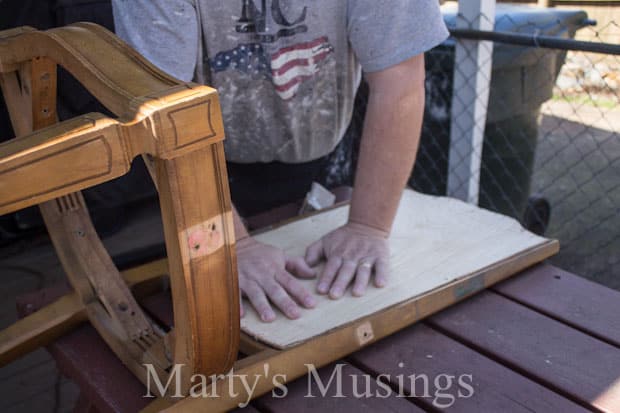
358,292
380,282
335,293
322,288
294,313
309,301
268,317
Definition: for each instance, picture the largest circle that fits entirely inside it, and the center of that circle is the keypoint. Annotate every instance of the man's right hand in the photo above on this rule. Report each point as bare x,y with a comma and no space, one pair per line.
266,275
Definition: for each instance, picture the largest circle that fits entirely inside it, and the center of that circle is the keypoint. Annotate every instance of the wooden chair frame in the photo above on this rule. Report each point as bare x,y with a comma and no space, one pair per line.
178,128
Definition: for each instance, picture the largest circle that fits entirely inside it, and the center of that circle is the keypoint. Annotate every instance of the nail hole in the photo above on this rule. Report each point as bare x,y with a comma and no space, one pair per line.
557,277
212,227
45,76
133,313
122,306
197,247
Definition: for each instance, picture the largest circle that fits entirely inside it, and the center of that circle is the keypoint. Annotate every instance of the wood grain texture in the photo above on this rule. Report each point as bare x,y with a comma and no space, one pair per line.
40,328
160,307
199,234
85,358
340,342
59,160
304,395
60,314
157,114
93,149
573,300
179,126
566,360
435,242
110,306
126,83
97,59
430,356
108,302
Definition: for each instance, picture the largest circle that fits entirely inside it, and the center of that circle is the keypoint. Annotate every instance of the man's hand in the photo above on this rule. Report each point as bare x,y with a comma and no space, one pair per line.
265,274
351,251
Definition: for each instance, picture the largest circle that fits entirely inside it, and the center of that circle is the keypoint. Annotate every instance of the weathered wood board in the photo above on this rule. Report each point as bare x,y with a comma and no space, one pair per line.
436,242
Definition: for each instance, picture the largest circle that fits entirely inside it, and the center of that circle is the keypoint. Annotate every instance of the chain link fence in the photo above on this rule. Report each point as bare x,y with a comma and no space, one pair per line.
550,152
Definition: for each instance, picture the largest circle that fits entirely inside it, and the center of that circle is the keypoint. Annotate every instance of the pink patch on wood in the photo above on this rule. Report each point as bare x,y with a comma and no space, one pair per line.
205,238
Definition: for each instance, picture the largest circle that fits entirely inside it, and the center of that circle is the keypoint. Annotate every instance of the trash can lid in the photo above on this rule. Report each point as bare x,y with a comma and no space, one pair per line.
523,19
526,19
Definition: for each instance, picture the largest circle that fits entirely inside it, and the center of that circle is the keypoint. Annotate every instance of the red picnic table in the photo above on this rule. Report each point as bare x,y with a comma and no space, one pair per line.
543,341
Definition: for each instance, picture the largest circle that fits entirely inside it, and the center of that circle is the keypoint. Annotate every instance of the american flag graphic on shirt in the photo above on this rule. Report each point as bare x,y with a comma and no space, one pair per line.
287,68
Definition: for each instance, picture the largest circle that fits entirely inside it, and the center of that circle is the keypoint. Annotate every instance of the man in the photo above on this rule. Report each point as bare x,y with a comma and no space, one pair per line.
286,72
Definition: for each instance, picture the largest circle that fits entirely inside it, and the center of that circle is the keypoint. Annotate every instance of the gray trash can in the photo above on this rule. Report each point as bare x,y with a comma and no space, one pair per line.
522,79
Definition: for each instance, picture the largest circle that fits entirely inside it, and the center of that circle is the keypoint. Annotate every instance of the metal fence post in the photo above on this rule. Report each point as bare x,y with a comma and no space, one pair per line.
472,76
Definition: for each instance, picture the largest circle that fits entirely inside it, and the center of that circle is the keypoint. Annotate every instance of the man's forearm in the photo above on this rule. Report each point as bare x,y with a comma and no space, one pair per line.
389,143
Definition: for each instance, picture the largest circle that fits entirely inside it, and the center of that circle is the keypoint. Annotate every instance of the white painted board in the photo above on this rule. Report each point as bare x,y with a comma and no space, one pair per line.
434,241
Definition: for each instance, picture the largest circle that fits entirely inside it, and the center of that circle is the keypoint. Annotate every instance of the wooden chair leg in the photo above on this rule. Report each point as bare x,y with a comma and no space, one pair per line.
198,229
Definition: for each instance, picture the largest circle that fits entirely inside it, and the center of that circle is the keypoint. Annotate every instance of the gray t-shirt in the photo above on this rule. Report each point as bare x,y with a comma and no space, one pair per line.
286,70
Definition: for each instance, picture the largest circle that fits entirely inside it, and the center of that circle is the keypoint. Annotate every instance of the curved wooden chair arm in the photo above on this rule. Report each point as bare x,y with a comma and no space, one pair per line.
178,127
81,152
93,148
111,70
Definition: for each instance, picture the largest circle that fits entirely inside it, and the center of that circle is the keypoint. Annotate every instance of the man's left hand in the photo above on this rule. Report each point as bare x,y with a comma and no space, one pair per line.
352,252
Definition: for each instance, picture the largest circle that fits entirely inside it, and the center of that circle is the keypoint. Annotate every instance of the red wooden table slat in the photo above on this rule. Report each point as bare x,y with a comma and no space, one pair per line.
297,400
85,358
159,306
84,405
423,352
542,348
549,351
571,299
102,378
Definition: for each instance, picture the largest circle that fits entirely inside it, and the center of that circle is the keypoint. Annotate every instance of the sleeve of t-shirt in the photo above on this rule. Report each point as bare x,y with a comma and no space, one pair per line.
163,31
384,33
